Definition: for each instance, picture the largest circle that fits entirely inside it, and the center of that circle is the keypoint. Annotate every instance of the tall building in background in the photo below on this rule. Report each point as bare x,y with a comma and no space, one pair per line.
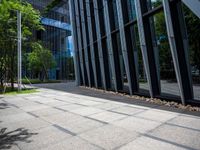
57,36
143,47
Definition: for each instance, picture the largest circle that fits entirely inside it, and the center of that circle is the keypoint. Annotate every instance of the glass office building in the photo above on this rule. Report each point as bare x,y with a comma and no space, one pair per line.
142,47
57,36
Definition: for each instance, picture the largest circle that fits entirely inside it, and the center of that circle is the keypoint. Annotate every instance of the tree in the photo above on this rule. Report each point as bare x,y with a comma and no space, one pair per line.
8,34
165,57
193,28
40,60
52,5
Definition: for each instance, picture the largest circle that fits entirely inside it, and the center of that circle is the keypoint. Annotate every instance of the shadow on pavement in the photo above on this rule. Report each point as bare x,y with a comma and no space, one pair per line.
4,106
8,139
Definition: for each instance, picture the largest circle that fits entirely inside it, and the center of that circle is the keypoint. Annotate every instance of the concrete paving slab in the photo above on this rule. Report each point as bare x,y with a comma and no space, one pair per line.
33,124
182,137
43,138
13,99
49,94
33,97
56,103
147,143
127,110
117,103
15,117
70,107
89,102
94,98
81,125
186,121
157,115
12,147
86,111
21,102
109,137
68,98
74,143
108,116
34,107
137,124
142,105
62,118
46,112
44,100
9,110
29,124
107,106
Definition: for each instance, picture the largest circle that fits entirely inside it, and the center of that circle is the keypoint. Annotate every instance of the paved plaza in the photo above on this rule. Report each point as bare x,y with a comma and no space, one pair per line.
65,117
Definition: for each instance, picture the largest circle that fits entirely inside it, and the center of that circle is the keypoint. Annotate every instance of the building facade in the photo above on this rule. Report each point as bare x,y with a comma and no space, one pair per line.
57,36
136,46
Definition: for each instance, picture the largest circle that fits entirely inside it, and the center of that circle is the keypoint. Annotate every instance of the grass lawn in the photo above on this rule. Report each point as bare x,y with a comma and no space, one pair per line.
37,81
24,91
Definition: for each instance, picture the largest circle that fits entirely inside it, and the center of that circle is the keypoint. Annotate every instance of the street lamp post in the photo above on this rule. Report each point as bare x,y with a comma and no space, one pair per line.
19,47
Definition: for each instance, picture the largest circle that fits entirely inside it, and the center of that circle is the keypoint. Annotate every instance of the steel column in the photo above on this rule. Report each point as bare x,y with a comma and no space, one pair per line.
93,52
75,42
155,46
115,66
148,55
85,38
19,50
127,52
178,45
80,43
103,58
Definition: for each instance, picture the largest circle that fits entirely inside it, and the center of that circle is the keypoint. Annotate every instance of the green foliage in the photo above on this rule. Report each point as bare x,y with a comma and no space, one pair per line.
8,18
165,58
51,5
193,24
40,59
70,66
8,34
156,3
193,30
37,81
24,91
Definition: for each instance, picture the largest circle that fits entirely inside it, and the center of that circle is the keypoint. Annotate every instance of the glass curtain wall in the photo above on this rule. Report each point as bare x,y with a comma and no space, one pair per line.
58,40
136,50
193,30
57,37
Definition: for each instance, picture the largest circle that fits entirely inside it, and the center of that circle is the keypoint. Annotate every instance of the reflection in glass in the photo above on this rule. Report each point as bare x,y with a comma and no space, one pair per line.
165,65
143,84
131,9
153,3
193,29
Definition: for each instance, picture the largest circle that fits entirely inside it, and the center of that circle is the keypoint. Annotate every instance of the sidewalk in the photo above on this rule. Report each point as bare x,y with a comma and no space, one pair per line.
64,117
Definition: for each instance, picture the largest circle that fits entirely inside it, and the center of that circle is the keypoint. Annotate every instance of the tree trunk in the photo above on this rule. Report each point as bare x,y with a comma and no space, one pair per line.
45,73
12,71
1,82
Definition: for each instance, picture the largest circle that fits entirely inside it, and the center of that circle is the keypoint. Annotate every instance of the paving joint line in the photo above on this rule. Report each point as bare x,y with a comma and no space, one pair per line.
172,124
33,114
38,102
103,122
90,142
60,109
119,113
169,142
64,130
